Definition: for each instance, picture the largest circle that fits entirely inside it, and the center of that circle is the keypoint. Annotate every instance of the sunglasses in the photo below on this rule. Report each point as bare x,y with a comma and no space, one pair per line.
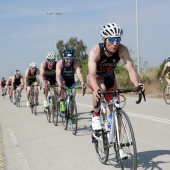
69,58
112,40
33,68
51,61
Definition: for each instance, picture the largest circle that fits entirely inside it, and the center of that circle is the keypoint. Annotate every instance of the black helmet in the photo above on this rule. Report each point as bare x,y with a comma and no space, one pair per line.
68,53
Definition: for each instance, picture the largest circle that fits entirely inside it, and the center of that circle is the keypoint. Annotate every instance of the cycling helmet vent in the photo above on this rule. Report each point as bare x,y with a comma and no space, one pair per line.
51,56
111,30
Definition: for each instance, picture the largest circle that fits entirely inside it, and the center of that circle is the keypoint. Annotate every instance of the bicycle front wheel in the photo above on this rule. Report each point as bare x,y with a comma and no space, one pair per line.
34,109
100,141
55,111
74,116
127,142
166,94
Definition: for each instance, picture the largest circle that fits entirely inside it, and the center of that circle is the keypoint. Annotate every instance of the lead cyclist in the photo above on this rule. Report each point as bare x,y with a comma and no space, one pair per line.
102,61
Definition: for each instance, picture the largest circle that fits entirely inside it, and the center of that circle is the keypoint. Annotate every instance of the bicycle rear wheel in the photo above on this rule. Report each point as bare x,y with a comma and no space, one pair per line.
74,117
101,146
127,142
166,94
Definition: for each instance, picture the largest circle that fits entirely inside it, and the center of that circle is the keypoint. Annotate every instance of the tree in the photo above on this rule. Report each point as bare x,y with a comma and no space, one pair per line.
77,45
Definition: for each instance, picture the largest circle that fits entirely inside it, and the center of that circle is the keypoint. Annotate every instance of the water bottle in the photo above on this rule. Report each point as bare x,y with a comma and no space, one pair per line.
109,121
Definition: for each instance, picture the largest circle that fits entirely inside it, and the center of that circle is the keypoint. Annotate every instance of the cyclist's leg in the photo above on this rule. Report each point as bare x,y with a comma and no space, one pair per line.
110,85
8,90
3,90
36,91
61,96
54,83
14,93
28,95
167,79
28,84
96,124
46,83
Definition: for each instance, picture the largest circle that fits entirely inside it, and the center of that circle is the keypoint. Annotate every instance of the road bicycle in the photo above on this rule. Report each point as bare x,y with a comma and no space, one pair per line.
18,96
166,93
120,136
70,116
32,99
51,109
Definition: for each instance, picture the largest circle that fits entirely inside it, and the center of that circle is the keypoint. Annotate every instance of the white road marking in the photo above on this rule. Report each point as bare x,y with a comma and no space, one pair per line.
166,121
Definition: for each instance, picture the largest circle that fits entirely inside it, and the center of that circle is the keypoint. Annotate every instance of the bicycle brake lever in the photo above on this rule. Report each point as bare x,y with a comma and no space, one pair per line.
84,91
139,99
144,96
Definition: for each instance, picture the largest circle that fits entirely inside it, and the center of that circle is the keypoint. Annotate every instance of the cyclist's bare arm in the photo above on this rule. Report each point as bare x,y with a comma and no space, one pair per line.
78,71
26,74
58,72
38,74
13,80
163,71
22,81
94,56
124,54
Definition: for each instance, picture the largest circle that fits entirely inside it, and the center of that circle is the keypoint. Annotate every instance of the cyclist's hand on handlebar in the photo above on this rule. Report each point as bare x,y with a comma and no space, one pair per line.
44,85
60,88
83,86
161,79
141,88
96,94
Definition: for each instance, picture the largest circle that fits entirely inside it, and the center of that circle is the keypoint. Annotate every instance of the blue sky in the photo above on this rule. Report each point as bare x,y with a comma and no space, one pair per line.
27,32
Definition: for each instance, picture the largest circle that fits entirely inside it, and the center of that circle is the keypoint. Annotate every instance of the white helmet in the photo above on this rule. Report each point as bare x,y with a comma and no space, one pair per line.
33,65
51,56
111,30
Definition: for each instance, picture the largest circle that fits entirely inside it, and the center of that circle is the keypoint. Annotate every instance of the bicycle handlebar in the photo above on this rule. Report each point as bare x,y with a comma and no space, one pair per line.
78,87
118,91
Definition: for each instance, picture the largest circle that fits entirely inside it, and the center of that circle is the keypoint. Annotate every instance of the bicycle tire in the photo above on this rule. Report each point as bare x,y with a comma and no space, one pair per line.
127,142
31,102
166,94
101,146
34,108
48,115
55,111
75,124
65,120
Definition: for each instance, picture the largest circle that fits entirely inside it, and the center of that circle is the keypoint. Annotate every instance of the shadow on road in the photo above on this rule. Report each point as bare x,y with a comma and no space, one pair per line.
145,159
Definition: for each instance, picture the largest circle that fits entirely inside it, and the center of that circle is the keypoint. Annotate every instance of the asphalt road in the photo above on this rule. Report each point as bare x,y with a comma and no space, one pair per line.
31,143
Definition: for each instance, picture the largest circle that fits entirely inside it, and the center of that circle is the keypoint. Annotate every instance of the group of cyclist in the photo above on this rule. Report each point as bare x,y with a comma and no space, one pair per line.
51,72
102,61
